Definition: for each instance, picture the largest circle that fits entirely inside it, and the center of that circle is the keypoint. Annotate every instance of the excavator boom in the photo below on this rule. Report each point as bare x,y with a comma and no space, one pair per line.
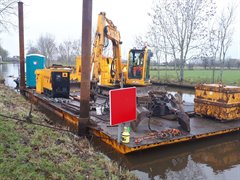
106,70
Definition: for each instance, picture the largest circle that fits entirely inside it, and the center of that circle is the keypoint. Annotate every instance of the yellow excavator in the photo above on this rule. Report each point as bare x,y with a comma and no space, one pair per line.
76,71
109,71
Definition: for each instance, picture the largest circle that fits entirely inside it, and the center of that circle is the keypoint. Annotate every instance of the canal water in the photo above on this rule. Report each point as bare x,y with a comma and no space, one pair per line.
213,158
9,72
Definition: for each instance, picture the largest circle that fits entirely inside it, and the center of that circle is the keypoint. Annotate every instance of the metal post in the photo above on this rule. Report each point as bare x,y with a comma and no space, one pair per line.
21,47
85,76
119,133
120,125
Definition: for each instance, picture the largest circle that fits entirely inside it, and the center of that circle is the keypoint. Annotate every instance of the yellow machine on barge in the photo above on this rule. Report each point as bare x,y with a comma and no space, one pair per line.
53,82
151,131
108,71
218,101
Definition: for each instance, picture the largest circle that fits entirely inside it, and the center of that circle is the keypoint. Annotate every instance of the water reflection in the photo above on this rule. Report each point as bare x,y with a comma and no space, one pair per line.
186,94
214,158
9,72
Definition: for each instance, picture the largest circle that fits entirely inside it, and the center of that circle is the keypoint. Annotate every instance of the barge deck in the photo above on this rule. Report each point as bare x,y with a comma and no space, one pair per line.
150,133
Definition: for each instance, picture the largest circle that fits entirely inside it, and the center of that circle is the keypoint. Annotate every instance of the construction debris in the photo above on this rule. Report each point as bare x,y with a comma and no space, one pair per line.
169,133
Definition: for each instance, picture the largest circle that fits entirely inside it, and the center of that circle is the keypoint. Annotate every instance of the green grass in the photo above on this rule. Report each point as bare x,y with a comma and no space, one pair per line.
230,77
35,152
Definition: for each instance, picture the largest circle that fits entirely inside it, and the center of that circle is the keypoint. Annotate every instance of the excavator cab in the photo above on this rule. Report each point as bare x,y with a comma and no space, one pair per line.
138,72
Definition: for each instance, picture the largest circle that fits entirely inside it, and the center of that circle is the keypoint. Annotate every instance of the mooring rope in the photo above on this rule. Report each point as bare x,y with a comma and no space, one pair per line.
29,122
50,127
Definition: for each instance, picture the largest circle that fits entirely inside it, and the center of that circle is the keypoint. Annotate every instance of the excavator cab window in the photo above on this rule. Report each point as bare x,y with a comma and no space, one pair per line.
139,63
136,62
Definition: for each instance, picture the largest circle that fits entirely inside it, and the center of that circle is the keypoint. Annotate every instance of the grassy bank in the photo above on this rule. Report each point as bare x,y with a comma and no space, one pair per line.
230,77
28,151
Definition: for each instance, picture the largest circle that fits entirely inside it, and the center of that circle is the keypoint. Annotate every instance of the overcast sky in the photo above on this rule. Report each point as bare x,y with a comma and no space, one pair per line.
63,19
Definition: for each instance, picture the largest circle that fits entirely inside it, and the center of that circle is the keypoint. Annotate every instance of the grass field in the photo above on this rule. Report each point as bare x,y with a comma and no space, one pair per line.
230,77
36,152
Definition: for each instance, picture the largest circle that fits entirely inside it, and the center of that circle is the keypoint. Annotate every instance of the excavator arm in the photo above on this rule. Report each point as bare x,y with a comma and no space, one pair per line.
106,70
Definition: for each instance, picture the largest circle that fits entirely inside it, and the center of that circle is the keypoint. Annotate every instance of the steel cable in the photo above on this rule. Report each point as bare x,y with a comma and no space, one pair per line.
26,121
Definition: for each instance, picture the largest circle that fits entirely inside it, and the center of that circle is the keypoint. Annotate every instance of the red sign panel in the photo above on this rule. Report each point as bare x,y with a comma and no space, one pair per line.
122,105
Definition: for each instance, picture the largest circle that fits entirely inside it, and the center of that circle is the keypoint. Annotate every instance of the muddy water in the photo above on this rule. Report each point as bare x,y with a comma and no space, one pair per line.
213,158
187,94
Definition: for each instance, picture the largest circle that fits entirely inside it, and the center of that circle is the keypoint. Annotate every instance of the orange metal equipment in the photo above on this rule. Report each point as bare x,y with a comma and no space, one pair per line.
218,101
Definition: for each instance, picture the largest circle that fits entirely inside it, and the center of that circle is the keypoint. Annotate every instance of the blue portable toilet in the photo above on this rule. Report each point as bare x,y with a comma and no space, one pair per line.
33,62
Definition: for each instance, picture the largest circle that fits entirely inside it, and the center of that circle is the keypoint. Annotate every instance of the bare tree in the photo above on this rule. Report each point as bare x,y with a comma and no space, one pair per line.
7,11
213,46
226,31
32,49
47,46
3,53
76,45
140,42
238,64
231,63
64,50
205,62
68,50
153,40
228,63
183,24
220,39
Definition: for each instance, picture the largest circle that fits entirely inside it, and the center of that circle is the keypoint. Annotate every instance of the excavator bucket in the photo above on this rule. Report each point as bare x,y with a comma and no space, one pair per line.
142,113
163,104
183,120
